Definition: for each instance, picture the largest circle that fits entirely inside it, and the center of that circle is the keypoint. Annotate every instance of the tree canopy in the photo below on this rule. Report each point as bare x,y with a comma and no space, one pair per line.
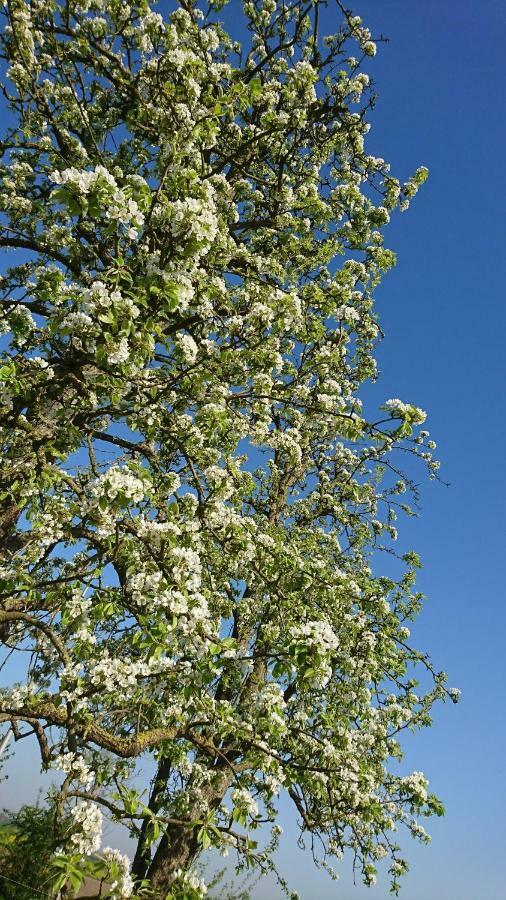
192,496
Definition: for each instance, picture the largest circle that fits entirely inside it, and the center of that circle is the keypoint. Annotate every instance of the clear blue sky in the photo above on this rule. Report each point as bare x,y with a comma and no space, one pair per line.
441,84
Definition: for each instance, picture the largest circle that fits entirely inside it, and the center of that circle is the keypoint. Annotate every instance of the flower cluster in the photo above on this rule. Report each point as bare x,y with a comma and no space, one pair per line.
97,187
116,673
401,410
244,802
76,766
317,635
121,884
416,784
87,823
192,882
119,485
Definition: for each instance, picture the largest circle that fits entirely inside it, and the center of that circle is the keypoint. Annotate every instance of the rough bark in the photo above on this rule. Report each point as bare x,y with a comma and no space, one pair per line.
179,846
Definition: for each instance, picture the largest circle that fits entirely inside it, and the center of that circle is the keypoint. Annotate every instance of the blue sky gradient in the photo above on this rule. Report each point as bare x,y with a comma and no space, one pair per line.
440,80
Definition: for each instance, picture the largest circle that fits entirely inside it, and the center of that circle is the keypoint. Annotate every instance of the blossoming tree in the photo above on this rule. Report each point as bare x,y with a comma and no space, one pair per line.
191,495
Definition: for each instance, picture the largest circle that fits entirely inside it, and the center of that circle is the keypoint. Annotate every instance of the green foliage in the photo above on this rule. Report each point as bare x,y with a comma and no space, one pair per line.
27,846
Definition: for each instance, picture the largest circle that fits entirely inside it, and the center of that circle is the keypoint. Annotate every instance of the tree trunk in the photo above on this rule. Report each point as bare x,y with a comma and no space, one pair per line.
179,846
175,853
142,856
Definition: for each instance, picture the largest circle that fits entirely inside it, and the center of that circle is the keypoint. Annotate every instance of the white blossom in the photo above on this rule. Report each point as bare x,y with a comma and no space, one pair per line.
123,886
87,818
